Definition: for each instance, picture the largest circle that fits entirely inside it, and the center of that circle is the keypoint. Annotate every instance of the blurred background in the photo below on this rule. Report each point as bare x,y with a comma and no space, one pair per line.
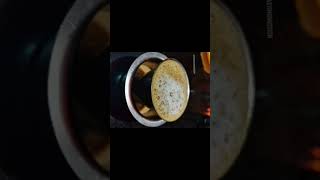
28,146
284,137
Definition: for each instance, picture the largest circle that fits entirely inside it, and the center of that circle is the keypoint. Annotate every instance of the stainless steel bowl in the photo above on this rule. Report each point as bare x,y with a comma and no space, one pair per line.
128,88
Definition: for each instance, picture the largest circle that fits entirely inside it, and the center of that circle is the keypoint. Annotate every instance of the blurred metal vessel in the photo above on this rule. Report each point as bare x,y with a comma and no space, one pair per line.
64,52
232,89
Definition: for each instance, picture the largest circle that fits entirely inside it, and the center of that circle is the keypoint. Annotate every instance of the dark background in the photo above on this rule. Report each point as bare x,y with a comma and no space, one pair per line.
176,26
28,148
286,121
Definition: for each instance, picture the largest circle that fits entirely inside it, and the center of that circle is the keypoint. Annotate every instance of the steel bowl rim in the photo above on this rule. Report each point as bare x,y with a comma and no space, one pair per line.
128,84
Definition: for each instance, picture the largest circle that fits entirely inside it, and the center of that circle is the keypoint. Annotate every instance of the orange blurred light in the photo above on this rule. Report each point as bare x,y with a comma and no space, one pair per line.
207,112
315,152
313,165
205,58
